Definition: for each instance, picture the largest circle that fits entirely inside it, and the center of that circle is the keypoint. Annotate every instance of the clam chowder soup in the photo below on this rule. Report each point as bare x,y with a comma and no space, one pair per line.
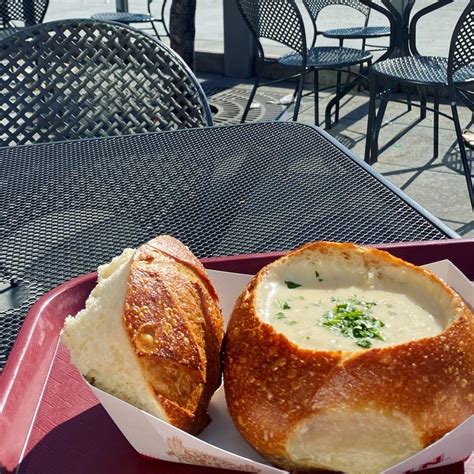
335,311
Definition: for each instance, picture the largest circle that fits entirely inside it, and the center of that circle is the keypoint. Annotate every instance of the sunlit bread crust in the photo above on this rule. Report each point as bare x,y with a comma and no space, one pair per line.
352,411
151,333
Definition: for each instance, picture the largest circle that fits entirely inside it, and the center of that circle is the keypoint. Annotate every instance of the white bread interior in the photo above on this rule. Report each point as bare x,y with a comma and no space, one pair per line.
356,442
96,338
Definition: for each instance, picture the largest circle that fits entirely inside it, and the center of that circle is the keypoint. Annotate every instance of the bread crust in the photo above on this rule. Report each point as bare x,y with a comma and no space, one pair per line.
175,326
272,385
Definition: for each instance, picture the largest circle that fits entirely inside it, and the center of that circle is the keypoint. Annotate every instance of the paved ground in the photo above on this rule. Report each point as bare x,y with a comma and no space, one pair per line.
437,184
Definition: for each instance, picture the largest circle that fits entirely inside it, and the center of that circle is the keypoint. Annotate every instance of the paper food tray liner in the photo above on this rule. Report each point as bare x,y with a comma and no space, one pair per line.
221,445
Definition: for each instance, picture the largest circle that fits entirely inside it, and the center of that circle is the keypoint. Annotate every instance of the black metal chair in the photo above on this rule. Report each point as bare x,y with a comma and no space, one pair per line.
454,74
128,18
460,66
281,21
83,78
25,12
363,33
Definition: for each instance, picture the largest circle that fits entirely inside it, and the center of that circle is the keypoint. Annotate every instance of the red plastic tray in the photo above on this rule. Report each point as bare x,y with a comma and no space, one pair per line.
52,423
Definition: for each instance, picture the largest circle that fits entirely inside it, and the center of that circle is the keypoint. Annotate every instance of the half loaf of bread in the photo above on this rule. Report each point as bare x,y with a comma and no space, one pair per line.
346,358
151,333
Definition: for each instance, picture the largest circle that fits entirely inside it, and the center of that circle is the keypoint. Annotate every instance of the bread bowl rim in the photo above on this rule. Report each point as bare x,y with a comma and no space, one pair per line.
459,306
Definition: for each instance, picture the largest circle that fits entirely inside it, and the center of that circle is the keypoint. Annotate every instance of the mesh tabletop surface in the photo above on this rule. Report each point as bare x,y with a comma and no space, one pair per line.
68,207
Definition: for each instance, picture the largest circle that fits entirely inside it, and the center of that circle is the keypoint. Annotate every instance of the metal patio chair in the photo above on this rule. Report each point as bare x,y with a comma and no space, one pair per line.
454,74
83,78
25,12
128,18
281,21
365,32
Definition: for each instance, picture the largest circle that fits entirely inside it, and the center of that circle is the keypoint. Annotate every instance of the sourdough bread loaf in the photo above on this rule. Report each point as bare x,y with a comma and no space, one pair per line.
151,333
317,375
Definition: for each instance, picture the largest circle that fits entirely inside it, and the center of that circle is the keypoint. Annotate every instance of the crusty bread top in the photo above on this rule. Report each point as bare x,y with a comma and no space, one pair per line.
174,323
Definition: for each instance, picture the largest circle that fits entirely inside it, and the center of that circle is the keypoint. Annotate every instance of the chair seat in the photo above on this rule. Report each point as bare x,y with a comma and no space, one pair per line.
357,32
123,17
422,70
327,56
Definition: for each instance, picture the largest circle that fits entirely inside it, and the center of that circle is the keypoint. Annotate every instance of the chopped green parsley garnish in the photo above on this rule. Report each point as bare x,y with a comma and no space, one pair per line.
280,315
292,284
283,304
290,322
353,319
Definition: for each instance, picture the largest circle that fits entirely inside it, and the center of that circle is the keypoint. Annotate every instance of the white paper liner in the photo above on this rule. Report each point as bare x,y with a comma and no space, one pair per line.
220,444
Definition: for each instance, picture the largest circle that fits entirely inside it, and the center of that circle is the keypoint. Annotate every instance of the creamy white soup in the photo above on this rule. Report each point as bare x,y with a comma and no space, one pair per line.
317,313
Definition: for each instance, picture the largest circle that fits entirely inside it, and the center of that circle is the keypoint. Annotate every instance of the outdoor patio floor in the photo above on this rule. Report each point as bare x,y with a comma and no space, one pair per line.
437,184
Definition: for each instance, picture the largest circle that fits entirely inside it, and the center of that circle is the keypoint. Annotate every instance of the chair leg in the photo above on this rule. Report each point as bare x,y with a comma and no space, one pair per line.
338,86
338,90
249,102
377,126
462,150
436,123
158,37
409,100
316,95
422,93
371,117
299,93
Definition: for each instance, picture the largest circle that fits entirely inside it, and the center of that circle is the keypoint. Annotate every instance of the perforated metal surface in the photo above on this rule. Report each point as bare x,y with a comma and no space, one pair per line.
84,78
462,46
315,7
159,7
428,70
327,56
123,17
357,32
69,207
278,20
30,12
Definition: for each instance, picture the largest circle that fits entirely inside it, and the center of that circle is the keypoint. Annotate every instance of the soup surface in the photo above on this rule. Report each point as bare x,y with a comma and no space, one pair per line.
319,314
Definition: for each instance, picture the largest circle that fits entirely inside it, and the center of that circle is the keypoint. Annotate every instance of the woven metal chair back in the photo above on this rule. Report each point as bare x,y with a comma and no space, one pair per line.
461,52
278,20
30,12
84,78
315,7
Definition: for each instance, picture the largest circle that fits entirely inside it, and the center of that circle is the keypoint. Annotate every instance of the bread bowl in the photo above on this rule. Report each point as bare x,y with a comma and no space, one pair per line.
333,402
151,333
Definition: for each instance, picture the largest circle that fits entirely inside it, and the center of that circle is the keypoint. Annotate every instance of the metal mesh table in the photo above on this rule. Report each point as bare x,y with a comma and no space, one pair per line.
68,207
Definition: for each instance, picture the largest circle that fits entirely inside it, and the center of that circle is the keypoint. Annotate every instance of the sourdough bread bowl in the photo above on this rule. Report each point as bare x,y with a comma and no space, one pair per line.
346,358
151,333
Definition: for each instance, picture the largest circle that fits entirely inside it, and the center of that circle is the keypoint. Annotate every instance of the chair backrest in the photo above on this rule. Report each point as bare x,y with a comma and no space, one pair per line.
315,7
84,78
30,12
278,20
461,51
